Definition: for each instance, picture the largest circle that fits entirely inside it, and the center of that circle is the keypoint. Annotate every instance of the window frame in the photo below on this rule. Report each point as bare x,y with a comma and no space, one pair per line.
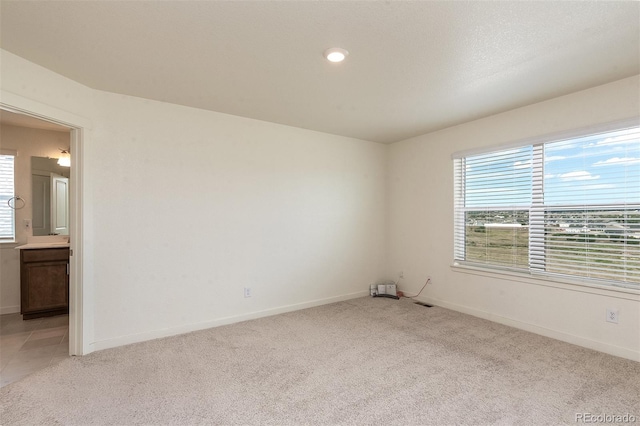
536,211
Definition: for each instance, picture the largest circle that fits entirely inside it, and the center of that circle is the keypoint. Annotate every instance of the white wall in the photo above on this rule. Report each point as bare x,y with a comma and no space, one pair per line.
183,208
194,206
27,143
421,227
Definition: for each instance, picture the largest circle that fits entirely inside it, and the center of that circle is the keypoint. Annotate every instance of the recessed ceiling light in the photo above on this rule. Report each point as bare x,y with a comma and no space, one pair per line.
335,54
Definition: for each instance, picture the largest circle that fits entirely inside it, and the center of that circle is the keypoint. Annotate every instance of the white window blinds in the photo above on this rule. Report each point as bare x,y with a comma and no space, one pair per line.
493,207
568,208
7,214
592,207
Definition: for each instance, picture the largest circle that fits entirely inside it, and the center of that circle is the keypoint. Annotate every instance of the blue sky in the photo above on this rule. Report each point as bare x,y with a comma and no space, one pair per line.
601,169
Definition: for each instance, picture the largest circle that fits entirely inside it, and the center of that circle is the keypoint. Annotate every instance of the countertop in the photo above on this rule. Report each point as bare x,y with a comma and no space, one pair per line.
42,246
45,242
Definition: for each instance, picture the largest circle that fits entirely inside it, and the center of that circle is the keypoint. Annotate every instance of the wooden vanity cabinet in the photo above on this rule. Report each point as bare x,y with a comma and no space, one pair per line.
44,282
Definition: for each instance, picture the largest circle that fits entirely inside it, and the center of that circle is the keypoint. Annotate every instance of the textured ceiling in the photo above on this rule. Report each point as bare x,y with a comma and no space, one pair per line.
413,67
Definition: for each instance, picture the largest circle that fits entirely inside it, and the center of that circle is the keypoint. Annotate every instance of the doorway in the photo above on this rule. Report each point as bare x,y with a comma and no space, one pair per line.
76,125
31,148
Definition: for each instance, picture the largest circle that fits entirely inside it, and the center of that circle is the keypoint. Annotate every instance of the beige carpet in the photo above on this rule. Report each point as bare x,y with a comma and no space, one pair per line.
365,361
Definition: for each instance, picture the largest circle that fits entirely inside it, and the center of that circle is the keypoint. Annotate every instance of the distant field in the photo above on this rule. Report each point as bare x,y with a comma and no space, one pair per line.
510,247
502,246
595,257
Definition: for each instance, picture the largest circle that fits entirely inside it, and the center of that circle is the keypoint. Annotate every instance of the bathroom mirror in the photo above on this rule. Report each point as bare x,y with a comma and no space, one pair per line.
50,195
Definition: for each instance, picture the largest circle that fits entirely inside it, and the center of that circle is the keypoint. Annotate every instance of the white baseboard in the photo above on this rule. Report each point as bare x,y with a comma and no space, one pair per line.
156,334
9,309
554,334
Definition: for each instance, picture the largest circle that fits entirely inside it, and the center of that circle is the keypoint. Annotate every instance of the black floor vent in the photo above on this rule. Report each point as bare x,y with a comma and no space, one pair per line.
423,304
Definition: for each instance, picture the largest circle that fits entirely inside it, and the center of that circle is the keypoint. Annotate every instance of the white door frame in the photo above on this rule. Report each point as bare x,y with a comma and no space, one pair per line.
80,303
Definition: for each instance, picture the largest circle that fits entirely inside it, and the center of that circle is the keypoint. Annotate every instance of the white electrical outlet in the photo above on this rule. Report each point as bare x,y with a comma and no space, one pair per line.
612,315
27,223
401,274
247,292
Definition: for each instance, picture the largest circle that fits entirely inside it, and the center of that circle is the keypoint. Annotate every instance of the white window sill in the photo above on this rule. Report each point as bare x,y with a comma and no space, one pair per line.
550,281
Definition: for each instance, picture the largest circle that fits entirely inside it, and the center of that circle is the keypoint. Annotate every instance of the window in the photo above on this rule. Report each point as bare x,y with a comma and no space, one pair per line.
7,214
559,208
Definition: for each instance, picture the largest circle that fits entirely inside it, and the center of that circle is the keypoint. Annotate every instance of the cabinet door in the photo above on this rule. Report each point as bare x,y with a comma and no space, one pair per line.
46,286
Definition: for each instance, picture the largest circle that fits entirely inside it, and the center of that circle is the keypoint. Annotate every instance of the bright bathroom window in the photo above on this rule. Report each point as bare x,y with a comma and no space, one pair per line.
7,194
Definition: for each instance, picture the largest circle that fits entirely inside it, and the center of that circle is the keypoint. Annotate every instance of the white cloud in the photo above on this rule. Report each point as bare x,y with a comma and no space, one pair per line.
549,176
618,161
522,164
579,175
629,137
550,158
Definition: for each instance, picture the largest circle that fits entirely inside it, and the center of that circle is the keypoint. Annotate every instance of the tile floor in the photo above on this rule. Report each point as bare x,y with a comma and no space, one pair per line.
29,346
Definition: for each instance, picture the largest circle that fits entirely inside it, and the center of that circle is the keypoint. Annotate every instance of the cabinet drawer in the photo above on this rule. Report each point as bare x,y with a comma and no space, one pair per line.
44,255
